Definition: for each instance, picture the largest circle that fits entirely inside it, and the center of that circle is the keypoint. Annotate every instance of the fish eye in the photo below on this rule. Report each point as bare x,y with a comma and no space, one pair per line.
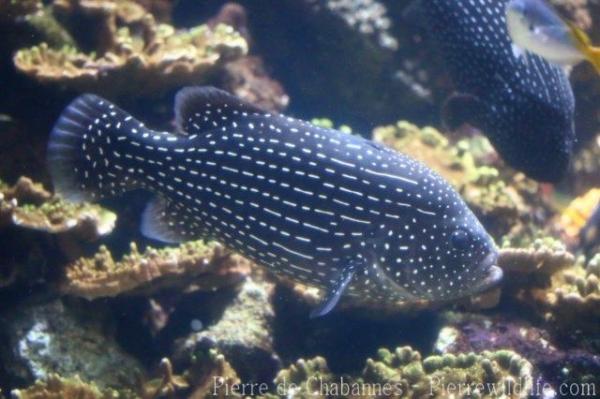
460,240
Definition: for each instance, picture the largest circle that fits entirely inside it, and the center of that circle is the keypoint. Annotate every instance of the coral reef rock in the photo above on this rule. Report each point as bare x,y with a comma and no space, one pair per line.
348,64
39,341
554,365
55,387
574,298
28,205
243,333
131,53
404,374
575,216
193,265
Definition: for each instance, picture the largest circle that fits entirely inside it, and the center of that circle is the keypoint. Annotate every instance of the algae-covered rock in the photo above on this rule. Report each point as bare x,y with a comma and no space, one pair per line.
243,333
41,340
171,59
193,265
56,387
125,50
556,365
29,205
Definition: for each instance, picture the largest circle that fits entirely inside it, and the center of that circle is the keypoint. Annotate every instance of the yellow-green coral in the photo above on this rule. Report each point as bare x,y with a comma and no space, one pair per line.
404,374
28,205
133,53
56,387
544,255
207,265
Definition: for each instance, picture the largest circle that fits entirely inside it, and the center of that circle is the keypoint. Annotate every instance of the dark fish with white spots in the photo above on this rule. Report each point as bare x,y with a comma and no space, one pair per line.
523,104
320,206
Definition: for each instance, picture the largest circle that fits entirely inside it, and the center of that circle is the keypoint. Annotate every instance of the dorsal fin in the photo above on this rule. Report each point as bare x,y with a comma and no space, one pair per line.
199,109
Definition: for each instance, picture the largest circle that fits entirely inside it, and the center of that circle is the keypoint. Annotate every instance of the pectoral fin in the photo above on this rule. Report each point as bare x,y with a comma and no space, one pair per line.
336,290
460,109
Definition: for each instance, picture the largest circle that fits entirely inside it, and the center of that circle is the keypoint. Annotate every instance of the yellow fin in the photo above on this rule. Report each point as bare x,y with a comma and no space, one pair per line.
592,54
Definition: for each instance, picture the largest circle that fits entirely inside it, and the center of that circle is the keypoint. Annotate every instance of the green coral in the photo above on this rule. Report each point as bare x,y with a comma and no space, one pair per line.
28,205
328,124
131,52
207,265
403,373
56,387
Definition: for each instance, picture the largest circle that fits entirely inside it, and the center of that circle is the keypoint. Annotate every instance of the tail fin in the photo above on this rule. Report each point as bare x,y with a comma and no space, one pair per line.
91,150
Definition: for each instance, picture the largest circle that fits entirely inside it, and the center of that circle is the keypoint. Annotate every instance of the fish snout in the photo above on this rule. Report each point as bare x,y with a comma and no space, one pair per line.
494,273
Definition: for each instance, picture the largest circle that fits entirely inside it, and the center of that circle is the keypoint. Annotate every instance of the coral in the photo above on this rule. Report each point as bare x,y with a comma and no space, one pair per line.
55,387
555,364
488,374
577,11
501,201
28,205
403,373
247,346
557,286
575,216
40,340
574,300
211,375
132,52
248,79
545,256
196,265
10,10
168,385
368,17
585,167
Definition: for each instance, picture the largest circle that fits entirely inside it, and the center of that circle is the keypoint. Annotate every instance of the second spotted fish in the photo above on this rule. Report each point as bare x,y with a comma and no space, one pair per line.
319,206
524,104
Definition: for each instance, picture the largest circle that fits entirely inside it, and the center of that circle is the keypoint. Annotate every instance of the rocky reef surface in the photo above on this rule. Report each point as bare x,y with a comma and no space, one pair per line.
90,309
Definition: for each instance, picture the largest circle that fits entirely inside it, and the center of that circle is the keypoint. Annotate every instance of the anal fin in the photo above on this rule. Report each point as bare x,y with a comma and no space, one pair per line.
159,222
336,290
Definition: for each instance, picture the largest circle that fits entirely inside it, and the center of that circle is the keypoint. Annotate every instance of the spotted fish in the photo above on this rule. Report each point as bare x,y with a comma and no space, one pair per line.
319,206
524,104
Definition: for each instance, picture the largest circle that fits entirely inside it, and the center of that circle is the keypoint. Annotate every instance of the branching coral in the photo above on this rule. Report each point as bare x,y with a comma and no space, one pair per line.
403,373
28,205
132,53
55,387
555,284
544,257
574,300
193,264
211,375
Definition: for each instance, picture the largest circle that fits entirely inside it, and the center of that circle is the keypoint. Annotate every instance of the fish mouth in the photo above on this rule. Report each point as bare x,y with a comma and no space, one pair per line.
494,272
